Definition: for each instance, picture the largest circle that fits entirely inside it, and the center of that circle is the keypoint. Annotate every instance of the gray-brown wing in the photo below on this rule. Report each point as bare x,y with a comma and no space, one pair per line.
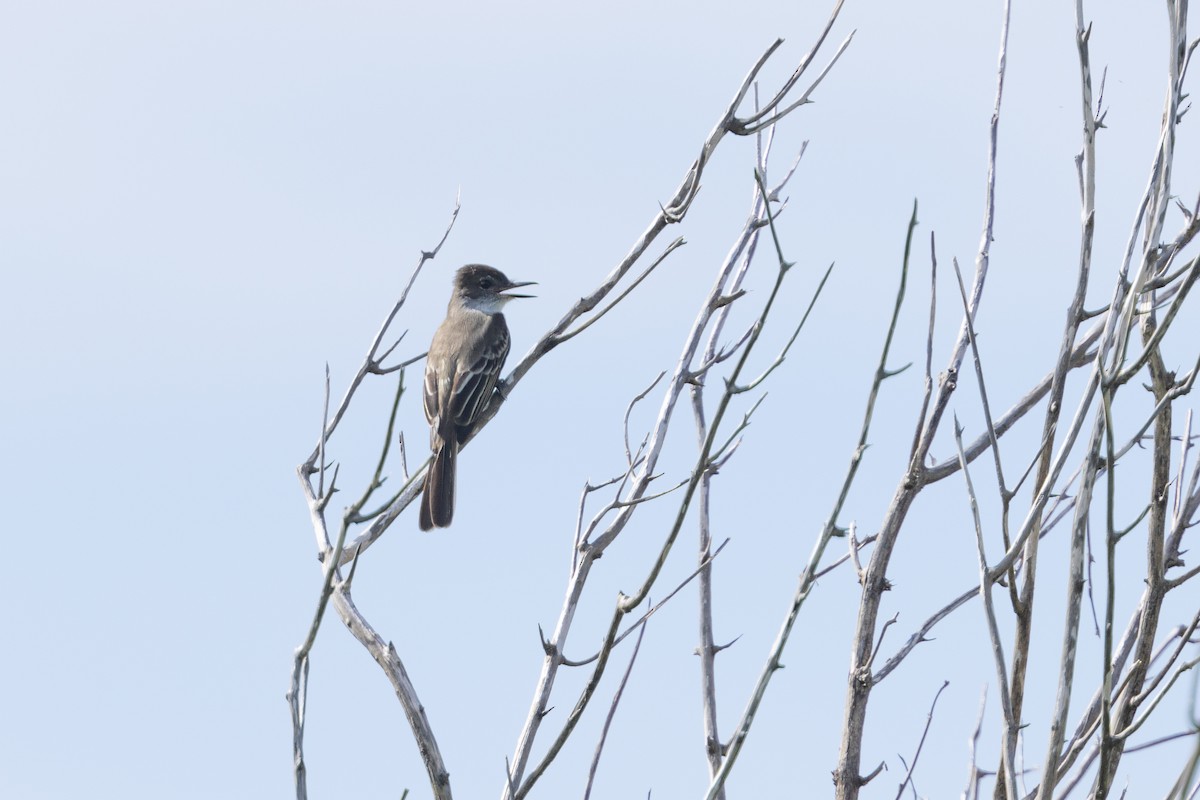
475,382
431,393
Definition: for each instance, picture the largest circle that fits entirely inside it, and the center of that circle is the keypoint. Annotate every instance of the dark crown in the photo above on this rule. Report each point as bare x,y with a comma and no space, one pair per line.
477,279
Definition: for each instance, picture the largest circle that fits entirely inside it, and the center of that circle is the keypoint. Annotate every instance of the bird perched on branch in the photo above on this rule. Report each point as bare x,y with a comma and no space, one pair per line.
461,372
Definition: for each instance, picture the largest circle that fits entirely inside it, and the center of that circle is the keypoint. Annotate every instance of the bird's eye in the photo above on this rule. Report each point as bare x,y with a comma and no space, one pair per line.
485,283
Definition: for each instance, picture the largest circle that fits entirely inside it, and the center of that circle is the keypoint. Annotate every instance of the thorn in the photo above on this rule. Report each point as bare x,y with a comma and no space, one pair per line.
719,647
726,299
546,646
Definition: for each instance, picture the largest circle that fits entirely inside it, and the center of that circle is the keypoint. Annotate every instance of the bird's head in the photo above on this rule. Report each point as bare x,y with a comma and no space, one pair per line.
485,288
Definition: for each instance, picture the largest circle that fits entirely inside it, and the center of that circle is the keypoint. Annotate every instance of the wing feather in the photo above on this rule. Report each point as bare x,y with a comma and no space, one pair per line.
475,381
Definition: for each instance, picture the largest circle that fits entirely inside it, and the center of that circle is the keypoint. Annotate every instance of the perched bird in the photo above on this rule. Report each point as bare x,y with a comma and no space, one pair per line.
461,372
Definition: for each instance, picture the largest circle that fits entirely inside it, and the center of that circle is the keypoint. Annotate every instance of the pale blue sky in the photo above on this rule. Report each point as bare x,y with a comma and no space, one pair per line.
203,203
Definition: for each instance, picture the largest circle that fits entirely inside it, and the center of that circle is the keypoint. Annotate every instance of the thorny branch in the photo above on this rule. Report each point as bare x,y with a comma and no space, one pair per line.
1138,669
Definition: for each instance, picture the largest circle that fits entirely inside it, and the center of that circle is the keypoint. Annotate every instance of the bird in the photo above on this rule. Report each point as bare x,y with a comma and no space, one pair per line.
461,372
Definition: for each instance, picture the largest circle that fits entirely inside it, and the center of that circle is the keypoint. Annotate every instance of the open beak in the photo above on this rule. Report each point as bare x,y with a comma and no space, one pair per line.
505,292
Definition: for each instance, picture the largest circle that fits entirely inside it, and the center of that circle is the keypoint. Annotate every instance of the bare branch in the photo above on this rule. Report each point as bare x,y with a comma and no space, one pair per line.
612,711
921,743
1008,762
371,361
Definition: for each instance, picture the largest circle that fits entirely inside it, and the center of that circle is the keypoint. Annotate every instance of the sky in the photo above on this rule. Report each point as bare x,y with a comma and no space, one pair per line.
205,204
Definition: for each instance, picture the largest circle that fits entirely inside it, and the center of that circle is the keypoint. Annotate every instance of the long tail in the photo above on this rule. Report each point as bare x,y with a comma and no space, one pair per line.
437,502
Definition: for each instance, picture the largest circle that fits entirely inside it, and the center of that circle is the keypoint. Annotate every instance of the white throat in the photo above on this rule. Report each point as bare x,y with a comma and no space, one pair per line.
489,304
